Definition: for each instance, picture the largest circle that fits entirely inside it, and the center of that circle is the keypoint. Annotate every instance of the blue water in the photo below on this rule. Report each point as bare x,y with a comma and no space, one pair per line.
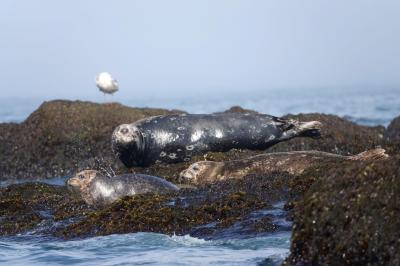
367,106
364,106
57,181
143,249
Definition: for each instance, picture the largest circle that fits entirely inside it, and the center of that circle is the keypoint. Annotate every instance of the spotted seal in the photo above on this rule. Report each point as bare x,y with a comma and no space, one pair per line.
176,138
99,190
292,162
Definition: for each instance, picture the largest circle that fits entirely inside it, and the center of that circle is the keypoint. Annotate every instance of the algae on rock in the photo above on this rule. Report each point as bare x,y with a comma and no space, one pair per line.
348,214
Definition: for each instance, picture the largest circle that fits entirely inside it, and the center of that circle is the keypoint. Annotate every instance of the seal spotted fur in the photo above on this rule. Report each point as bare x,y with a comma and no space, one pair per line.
176,138
98,190
292,162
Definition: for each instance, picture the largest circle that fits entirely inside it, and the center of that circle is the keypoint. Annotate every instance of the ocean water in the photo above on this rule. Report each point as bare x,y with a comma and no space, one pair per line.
234,245
144,249
364,106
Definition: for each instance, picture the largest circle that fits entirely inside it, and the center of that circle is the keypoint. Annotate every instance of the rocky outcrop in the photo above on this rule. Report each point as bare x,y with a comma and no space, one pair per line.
203,211
25,207
62,137
342,213
347,214
393,131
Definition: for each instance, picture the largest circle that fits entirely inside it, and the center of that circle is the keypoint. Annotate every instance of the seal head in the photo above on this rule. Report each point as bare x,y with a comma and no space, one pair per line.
200,171
128,144
81,182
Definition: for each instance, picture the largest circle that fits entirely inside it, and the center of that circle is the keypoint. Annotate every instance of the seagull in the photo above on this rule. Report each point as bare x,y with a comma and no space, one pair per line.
106,83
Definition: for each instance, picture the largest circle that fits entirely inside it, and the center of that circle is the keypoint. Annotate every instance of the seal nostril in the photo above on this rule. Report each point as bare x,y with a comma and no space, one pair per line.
124,130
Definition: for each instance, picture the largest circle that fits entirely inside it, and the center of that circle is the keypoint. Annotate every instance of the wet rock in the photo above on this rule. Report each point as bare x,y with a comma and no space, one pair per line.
339,136
210,211
347,214
222,205
61,137
24,206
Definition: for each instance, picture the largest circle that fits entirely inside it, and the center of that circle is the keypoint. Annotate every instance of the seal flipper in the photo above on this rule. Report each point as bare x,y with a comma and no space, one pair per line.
375,154
293,128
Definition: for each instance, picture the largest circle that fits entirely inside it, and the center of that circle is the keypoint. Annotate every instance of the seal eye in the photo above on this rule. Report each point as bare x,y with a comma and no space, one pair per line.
81,177
195,168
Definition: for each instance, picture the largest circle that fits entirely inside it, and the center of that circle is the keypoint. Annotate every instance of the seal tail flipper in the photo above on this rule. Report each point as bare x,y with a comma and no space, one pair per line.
375,154
302,129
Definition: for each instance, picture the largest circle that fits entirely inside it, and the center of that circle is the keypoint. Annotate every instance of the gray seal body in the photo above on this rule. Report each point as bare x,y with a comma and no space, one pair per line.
176,138
99,190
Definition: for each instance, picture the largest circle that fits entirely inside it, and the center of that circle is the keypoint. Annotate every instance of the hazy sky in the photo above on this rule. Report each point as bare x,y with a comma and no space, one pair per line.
56,48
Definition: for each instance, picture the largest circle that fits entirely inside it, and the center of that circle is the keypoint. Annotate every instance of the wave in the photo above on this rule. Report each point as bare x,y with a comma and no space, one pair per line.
144,248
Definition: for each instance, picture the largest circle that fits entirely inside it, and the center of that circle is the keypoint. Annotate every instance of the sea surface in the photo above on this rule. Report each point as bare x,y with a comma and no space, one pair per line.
364,106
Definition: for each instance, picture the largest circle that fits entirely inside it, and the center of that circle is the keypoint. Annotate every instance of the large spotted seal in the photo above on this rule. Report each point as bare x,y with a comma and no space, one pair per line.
176,138
292,162
99,190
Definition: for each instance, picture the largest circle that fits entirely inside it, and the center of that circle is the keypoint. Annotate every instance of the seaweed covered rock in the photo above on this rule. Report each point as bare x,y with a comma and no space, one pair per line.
393,131
61,137
222,203
348,214
24,206
339,136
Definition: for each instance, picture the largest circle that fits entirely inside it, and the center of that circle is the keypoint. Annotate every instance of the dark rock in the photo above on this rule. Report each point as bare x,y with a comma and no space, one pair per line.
24,206
238,109
347,214
62,137
223,204
228,205
392,133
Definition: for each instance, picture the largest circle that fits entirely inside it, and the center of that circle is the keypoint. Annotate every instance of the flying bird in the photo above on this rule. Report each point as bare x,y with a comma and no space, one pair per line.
106,83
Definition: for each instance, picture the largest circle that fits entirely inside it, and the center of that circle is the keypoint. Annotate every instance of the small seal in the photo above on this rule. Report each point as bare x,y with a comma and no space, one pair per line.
292,162
99,190
176,138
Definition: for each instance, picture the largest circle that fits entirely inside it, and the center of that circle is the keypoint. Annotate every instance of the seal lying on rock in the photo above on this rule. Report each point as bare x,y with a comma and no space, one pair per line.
97,189
292,162
176,138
